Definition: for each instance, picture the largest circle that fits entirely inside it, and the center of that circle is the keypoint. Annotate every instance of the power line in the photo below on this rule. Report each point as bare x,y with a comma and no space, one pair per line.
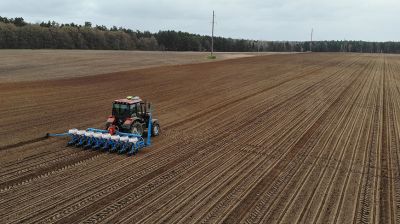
212,35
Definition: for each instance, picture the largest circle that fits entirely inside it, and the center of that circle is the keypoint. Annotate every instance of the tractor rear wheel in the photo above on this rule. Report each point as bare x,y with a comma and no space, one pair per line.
137,128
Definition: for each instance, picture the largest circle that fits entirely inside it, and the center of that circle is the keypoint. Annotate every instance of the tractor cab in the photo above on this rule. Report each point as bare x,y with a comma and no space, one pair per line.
131,115
124,108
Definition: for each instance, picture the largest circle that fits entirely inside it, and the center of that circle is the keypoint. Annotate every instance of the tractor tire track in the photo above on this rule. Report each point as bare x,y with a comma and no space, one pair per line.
288,138
290,173
239,212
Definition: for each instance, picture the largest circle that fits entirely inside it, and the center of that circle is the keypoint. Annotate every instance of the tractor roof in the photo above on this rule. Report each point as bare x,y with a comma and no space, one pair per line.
129,100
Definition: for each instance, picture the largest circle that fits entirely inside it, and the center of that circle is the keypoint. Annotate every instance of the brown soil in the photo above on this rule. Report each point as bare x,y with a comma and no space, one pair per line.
305,138
33,65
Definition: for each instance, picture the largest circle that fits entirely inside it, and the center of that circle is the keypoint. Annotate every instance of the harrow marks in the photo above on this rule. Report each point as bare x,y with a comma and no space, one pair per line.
97,139
306,138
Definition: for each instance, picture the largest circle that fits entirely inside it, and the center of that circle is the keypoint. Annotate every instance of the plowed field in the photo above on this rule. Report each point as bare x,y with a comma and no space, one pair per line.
34,65
303,138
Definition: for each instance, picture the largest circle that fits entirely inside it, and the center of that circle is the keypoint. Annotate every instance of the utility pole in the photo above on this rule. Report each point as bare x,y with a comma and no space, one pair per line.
212,35
312,31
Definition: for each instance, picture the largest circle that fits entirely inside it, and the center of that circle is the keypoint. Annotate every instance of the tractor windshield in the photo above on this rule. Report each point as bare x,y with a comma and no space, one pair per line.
123,110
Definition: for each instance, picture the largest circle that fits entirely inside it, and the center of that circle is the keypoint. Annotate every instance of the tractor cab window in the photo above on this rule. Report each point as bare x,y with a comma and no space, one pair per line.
132,108
120,110
139,109
143,107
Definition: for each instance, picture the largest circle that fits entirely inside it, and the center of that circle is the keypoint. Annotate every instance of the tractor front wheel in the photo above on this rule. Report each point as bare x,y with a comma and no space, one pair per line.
155,129
137,128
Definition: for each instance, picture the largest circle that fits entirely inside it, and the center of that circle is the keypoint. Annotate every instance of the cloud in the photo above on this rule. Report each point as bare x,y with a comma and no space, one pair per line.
253,19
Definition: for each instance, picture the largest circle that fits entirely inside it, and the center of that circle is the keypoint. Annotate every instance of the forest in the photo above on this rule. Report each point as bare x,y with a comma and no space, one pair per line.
16,33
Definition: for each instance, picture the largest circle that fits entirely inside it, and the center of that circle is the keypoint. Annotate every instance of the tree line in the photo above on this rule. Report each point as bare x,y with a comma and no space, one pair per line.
16,33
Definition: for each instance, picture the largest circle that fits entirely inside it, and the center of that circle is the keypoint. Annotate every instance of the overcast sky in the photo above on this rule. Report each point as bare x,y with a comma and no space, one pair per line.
374,20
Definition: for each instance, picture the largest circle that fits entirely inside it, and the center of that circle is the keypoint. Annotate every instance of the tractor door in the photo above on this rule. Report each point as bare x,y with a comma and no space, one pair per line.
143,108
133,109
144,113
140,112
